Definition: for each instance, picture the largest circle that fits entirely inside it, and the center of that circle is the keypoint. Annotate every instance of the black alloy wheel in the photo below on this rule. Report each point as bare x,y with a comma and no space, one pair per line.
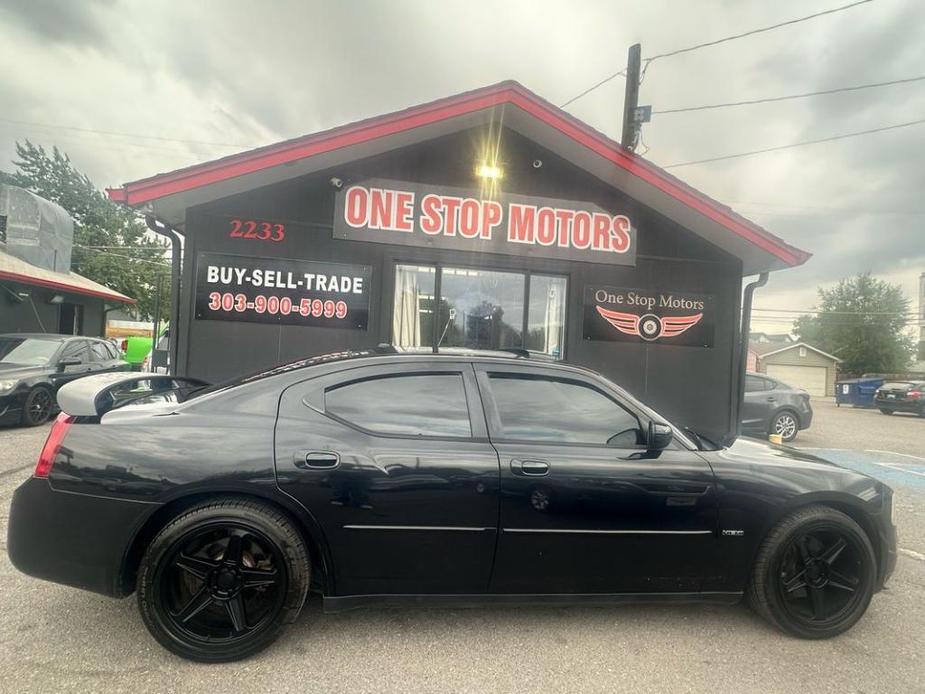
815,573
220,581
37,408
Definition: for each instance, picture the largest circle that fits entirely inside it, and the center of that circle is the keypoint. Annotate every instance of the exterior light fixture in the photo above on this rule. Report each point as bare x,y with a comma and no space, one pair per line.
56,299
492,171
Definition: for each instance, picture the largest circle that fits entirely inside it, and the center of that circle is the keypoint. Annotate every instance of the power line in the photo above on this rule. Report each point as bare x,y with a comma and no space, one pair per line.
592,88
125,257
790,96
752,32
122,134
836,313
795,144
715,42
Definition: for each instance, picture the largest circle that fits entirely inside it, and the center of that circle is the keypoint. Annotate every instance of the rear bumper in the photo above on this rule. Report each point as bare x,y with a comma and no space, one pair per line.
806,418
74,539
915,406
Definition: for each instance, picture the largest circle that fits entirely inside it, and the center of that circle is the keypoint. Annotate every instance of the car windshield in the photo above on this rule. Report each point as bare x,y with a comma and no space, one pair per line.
27,351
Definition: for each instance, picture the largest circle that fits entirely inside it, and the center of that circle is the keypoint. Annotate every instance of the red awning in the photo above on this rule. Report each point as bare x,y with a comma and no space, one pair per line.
17,270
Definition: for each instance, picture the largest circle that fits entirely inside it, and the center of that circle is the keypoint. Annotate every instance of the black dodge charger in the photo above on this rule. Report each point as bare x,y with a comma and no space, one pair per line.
448,479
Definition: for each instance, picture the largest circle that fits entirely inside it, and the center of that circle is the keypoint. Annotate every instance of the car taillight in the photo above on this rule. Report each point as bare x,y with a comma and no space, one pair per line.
53,444
914,394
124,346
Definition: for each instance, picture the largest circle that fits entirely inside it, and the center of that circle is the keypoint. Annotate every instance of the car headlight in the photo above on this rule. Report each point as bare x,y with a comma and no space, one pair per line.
7,386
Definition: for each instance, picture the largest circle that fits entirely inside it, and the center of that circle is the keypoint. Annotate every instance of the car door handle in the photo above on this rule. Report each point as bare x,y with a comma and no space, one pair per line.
772,399
316,460
531,468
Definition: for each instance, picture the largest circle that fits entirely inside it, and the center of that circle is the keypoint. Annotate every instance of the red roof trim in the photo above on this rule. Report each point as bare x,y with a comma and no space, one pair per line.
162,185
73,289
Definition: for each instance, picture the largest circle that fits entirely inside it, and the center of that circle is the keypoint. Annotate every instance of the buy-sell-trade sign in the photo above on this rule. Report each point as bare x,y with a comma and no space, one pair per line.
282,291
620,314
382,211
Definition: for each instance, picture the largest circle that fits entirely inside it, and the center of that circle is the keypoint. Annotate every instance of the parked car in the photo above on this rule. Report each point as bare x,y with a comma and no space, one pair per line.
467,478
34,366
772,407
901,396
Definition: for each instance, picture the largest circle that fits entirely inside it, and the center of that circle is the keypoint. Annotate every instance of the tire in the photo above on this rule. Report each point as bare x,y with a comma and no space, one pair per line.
887,412
787,424
209,597
775,592
38,407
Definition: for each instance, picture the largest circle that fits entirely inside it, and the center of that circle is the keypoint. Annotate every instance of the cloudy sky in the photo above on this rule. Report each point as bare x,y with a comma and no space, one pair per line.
130,88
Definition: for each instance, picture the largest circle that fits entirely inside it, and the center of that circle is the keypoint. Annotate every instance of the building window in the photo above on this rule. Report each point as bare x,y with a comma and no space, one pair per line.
802,351
479,309
2,228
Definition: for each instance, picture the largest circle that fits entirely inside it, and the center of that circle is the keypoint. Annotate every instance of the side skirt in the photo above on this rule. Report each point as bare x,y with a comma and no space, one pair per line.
342,603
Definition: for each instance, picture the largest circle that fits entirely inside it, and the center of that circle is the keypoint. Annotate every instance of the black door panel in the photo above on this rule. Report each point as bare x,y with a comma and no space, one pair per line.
401,513
594,518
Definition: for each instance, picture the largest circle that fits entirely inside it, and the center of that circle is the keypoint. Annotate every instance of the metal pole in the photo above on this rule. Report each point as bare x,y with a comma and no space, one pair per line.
631,97
157,317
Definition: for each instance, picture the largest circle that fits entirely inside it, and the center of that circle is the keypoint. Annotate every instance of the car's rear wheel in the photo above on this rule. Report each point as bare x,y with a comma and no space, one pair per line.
38,406
884,411
785,424
815,573
220,581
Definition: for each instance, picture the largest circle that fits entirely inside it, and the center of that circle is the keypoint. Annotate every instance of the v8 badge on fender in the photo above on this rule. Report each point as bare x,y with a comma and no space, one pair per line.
619,314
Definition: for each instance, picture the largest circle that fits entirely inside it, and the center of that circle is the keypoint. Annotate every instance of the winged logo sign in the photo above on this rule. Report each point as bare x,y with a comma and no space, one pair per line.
627,315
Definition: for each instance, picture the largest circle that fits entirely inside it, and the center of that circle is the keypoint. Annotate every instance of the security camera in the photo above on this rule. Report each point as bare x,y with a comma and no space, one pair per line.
537,163
337,182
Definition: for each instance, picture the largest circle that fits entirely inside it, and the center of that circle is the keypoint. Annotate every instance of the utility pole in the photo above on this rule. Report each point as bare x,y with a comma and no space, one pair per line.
634,115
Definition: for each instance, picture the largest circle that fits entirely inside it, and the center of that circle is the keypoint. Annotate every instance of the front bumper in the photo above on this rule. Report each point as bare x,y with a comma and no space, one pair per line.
74,539
10,408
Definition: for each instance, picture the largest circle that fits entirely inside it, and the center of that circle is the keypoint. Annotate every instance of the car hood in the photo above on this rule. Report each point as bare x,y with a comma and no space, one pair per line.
783,468
17,371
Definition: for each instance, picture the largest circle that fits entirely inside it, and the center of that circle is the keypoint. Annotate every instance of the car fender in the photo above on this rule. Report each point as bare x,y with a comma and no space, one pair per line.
180,499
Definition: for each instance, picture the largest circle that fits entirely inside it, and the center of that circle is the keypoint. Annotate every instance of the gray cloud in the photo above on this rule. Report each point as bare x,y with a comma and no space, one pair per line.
77,23
256,72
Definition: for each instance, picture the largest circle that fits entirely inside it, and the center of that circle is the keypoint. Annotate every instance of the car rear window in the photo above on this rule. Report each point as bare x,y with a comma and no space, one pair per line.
405,404
897,385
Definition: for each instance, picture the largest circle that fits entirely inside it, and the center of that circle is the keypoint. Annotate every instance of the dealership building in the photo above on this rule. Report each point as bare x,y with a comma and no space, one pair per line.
491,220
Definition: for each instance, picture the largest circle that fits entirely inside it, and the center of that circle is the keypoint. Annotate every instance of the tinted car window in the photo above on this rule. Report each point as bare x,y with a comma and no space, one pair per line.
75,348
753,384
409,404
99,351
544,408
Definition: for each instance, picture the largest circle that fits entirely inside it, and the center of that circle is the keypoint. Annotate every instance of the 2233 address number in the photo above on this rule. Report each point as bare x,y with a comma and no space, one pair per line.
274,305
253,229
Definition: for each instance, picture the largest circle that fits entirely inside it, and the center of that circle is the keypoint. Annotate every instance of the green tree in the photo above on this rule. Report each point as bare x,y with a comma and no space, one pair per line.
112,245
862,321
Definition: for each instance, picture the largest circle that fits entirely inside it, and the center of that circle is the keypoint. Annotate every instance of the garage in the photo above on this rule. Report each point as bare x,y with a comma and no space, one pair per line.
800,365
812,379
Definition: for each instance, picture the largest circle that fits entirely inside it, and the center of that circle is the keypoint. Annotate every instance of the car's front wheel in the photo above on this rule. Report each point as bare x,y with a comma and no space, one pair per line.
785,424
37,407
220,581
815,573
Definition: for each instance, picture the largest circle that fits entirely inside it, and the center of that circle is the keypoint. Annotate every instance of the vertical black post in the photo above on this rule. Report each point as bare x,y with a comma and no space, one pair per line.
157,317
631,97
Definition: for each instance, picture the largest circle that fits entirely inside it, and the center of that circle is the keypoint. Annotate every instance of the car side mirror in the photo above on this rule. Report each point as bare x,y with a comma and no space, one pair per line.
65,362
658,436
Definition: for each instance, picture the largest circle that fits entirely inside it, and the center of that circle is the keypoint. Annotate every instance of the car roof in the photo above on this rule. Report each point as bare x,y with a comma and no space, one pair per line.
39,336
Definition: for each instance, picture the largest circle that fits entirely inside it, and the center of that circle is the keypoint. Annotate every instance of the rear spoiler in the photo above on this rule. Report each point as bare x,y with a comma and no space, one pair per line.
93,396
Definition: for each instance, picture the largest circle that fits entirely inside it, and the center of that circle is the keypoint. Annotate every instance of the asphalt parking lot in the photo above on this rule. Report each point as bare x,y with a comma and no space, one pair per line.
54,638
